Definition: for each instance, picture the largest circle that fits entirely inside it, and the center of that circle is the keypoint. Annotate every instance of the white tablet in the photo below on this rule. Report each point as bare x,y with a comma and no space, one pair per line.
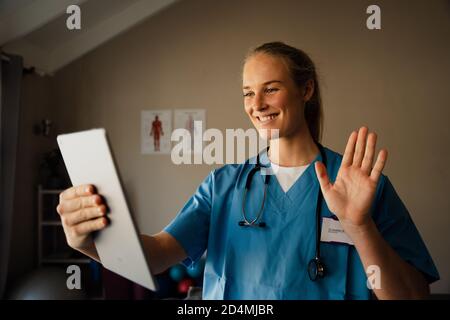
89,160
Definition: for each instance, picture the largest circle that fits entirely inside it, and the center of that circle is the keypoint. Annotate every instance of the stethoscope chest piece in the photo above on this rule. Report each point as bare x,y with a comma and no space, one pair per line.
316,269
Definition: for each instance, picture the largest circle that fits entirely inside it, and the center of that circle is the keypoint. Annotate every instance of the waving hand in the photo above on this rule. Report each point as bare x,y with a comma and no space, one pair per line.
351,195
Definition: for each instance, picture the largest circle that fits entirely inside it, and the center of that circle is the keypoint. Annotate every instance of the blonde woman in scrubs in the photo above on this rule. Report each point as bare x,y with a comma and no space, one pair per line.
281,91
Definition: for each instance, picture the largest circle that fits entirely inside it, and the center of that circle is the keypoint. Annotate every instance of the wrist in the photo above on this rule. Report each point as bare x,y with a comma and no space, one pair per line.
361,231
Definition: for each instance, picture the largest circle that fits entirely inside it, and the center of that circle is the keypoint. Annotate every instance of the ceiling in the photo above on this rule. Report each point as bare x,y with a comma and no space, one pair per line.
36,29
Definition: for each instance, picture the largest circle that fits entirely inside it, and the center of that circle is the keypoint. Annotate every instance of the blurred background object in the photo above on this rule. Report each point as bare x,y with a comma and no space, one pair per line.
43,128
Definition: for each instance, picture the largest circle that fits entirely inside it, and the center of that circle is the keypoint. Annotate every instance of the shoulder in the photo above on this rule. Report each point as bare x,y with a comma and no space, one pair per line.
231,174
226,170
223,180
231,171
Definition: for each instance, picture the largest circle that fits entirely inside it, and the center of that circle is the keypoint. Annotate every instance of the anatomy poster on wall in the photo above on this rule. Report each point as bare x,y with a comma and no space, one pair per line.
156,129
194,121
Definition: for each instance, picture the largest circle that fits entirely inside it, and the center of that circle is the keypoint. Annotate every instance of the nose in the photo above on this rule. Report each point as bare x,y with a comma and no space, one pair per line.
259,103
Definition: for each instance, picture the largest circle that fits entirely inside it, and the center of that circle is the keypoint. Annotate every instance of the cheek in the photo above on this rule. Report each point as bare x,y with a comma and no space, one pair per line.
247,108
289,104
280,101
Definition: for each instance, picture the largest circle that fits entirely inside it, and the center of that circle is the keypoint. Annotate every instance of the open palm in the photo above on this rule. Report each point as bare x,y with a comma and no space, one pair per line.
351,195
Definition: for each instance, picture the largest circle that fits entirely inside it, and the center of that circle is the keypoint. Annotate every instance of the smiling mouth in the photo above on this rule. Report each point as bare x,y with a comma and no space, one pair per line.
267,119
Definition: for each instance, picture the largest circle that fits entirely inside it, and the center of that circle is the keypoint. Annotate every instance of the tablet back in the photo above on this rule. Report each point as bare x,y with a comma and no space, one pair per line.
89,160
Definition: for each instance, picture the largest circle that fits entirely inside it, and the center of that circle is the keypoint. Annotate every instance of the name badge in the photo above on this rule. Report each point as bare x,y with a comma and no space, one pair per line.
332,231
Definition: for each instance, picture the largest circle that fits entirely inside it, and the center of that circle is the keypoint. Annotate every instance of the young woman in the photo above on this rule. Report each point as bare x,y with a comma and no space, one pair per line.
311,231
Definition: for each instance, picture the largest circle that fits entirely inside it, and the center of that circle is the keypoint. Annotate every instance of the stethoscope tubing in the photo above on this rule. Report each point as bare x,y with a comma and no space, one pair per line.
316,268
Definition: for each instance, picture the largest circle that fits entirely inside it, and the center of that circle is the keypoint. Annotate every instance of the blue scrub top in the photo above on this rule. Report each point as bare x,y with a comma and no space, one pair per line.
271,262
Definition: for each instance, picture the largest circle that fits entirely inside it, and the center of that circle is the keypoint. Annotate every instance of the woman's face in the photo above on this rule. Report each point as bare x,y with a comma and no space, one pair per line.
271,98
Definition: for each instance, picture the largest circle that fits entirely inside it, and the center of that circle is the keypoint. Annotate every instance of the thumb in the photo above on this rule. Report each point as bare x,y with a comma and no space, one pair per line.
322,176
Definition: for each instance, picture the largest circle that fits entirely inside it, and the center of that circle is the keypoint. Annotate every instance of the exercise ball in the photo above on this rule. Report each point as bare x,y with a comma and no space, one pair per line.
177,272
196,271
45,283
184,285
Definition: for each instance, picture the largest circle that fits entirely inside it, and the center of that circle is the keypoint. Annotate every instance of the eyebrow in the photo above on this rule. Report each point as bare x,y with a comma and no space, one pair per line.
265,83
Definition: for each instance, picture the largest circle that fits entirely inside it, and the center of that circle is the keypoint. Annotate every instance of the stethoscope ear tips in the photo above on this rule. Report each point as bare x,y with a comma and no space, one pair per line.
242,223
262,224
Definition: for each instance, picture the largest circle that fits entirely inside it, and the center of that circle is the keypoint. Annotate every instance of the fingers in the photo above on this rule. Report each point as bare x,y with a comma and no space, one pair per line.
360,152
67,206
322,176
360,146
366,165
82,215
379,165
77,191
87,227
349,149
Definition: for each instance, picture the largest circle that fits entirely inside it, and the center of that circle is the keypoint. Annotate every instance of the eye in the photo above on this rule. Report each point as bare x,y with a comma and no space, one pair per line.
271,90
248,94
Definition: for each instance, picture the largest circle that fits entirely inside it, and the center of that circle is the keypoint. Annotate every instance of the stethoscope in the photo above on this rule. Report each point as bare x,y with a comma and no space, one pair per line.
316,268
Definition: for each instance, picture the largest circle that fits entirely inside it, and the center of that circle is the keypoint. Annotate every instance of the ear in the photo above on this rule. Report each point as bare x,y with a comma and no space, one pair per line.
308,90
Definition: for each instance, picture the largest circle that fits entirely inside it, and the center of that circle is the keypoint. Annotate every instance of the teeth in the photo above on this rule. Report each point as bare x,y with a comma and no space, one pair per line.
267,118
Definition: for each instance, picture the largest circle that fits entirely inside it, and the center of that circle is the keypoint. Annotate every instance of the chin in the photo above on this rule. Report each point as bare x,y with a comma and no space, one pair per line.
268,133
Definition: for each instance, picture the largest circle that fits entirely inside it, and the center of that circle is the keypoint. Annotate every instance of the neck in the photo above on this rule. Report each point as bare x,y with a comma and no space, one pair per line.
294,151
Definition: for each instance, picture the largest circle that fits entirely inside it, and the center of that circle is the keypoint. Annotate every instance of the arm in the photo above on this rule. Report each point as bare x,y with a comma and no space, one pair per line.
399,280
350,198
163,251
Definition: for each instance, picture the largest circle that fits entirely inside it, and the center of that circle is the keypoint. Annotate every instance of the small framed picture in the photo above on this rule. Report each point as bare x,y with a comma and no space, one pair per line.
156,129
194,123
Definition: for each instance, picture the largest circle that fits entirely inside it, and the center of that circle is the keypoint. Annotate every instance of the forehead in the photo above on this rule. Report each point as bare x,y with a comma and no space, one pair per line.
261,68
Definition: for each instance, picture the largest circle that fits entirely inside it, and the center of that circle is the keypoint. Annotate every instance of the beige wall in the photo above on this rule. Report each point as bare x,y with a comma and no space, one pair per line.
189,56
